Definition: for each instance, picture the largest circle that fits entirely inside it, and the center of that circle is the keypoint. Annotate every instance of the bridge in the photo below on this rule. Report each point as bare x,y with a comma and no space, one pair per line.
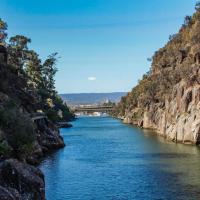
92,109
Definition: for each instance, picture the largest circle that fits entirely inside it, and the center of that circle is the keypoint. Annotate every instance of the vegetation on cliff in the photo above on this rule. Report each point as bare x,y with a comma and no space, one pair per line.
27,87
177,62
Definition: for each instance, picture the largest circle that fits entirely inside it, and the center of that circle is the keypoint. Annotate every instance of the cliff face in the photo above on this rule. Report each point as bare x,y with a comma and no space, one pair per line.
167,99
178,120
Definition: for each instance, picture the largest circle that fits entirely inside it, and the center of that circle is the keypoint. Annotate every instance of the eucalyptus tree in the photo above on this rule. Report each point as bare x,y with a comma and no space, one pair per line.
197,6
18,50
33,69
49,70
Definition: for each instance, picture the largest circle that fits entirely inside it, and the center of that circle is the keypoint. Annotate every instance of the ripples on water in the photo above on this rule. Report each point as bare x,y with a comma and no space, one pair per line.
107,160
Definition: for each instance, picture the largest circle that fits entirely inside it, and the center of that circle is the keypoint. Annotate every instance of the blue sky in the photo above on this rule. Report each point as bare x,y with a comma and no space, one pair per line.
103,44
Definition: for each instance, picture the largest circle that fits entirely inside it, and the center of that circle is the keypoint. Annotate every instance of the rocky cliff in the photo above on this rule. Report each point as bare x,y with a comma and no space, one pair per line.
20,181
25,137
167,99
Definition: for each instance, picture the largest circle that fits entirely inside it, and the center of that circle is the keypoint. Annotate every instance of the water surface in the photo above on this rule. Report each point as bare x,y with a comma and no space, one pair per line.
107,160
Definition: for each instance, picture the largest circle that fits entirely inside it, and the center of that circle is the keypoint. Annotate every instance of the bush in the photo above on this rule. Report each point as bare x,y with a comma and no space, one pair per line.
19,128
53,112
5,150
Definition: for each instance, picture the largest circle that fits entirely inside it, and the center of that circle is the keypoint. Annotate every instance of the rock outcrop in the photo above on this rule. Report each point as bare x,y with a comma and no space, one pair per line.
47,139
167,99
178,120
19,181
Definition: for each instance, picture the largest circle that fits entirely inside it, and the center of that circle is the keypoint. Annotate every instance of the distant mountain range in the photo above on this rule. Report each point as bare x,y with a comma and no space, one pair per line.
92,98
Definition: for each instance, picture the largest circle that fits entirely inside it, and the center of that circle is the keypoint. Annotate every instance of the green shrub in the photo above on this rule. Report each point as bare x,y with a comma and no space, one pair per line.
5,150
18,127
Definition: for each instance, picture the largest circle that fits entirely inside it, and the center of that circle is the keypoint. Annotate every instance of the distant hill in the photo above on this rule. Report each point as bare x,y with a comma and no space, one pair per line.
92,98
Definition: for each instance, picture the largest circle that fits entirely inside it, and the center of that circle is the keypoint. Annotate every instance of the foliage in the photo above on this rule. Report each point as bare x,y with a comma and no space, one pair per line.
188,20
39,76
3,29
197,6
33,70
18,50
27,85
59,107
49,70
5,150
109,103
19,128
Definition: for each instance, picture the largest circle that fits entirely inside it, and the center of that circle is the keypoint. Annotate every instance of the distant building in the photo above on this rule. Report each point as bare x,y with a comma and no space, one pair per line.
107,100
3,54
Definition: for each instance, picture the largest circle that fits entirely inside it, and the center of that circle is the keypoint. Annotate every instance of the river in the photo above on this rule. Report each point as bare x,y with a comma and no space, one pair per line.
107,160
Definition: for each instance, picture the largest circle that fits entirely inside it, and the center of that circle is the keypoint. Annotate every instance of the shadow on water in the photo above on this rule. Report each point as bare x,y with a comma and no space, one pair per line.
105,159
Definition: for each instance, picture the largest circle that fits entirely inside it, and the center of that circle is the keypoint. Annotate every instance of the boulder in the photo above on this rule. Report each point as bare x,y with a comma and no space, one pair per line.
9,194
21,181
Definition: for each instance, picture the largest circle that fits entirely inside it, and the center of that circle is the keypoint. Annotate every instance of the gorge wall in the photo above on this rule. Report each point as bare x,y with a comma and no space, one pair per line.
167,99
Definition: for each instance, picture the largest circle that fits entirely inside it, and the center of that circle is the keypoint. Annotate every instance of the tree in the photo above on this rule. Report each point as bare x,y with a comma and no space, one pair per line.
149,59
20,42
197,6
3,33
18,50
33,69
187,20
49,70
39,77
